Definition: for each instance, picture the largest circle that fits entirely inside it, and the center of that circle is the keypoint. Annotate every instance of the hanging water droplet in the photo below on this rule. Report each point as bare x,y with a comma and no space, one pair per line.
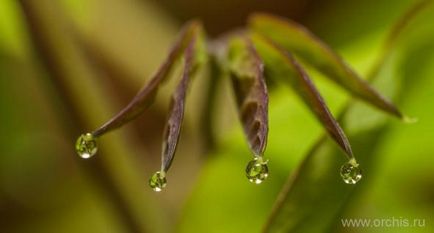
257,170
158,181
86,146
351,172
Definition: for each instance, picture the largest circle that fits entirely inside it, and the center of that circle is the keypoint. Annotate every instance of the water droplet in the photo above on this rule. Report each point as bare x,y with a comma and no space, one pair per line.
257,170
158,181
351,172
86,146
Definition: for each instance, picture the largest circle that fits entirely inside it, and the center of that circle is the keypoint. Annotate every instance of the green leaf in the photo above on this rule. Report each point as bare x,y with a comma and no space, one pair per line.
315,194
300,41
246,69
281,66
145,96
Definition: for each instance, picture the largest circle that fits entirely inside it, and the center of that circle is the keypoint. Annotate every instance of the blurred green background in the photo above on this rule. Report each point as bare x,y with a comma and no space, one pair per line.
67,66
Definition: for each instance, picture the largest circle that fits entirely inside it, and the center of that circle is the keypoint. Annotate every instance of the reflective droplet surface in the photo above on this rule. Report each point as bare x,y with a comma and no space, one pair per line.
158,181
257,170
351,172
86,146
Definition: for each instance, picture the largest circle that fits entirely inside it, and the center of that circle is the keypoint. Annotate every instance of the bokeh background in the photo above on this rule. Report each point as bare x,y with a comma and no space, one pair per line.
67,66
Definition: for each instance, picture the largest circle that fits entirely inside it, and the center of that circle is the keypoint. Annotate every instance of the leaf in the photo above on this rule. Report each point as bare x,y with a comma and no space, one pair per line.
246,69
314,196
195,55
315,193
145,96
300,41
281,66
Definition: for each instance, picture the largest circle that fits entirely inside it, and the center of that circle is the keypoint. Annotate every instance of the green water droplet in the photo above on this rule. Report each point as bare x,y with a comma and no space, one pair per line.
351,172
86,146
257,170
158,181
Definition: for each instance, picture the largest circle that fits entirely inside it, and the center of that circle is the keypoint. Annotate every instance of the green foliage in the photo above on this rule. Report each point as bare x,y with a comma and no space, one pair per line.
80,74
